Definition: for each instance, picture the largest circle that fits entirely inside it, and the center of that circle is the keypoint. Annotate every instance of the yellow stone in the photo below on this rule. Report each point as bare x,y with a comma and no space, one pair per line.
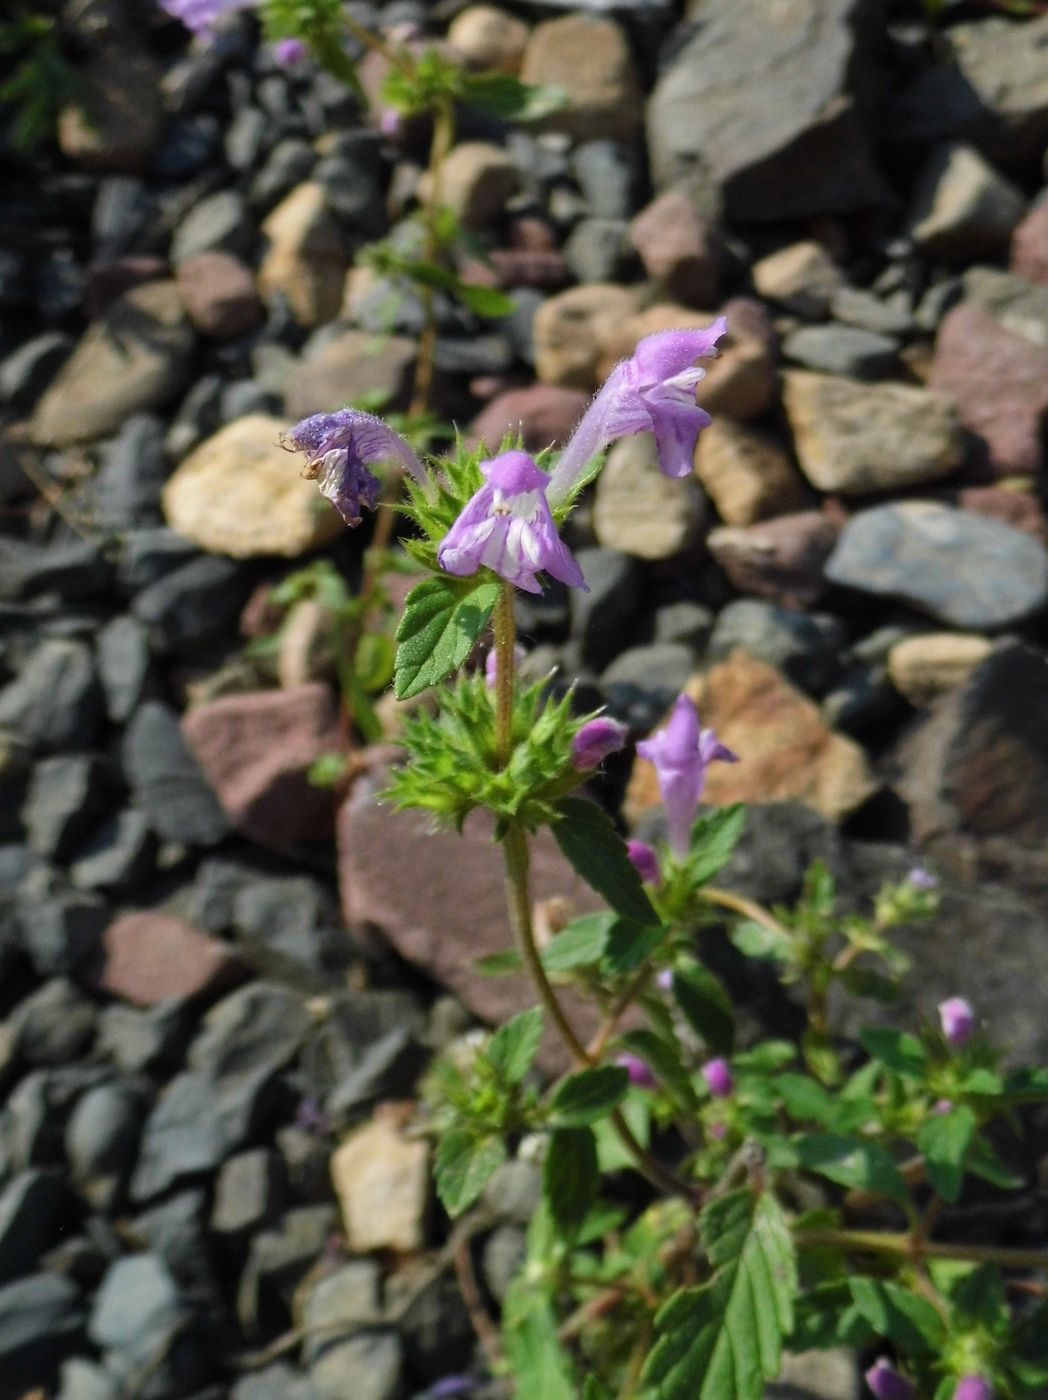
381,1179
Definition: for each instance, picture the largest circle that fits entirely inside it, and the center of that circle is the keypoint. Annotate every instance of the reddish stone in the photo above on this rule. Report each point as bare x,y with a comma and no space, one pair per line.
220,295
1019,509
532,234
108,280
521,267
150,957
999,383
781,559
256,751
679,248
545,413
1030,246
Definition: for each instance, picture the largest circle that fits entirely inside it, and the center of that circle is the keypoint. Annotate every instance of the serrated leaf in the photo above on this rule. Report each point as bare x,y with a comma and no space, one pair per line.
488,302
590,1094
713,838
850,1162
944,1140
899,1316
662,1053
571,1176
597,852
898,1050
540,1367
581,944
723,1341
462,1166
514,1046
441,623
705,1005
630,945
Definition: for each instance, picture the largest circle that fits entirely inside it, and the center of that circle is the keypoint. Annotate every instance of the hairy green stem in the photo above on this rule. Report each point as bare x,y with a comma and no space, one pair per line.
906,1246
505,628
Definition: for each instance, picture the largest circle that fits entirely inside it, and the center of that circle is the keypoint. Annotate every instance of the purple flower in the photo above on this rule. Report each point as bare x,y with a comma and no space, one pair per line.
958,1022
664,980
681,754
647,865
201,16
491,664
941,1107
595,741
653,391
638,1070
452,1386
337,447
718,1077
886,1383
973,1388
390,123
922,879
507,526
289,53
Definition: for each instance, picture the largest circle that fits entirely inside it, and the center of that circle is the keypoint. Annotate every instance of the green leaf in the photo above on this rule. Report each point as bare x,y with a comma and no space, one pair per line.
723,1341
375,659
540,1367
571,1177
597,852
944,1140
865,982
441,623
898,1050
630,945
581,944
828,1317
1026,1085
899,1316
590,1094
506,96
852,1163
983,1161
705,1005
979,1298
463,1165
514,1046
488,302
594,1390
499,964
758,941
808,1101
662,1053
713,838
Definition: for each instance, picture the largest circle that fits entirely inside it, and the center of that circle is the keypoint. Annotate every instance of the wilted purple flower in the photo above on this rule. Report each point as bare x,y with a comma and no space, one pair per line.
338,446
886,1383
595,741
201,16
718,1077
289,53
638,1070
681,754
922,879
973,1388
507,526
647,865
958,1022
653,391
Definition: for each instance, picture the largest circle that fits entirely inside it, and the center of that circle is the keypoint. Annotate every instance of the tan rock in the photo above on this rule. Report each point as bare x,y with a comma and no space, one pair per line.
747,474
489,39
679,247
573,329
859,438
589,59
638,510
134,357
923,668
240,493
381,1179
307,256
802,278
477,178
356,366
786,751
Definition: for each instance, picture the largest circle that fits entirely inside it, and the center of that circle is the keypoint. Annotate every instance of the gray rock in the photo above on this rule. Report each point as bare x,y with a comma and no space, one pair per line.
148,1041
131,473
183,1137
176,1231
69,795
796,147
198,416
249,1193
166,781
433,1322
220,222
806,647
640,512
1019,306
61,933
962,208
868,312
685,621
71,567
287,165
41,1324
34,1209
864,704
601,618
778,843
55,703
962,569
277,1262
505,1250
514,1191
642,682
149,554
387,1068
101,1142
608,174
258,1027
83,1380
844,350
277,1382
27,371
122,652
246,138
120,855
53,1025
137,1298
192,605
598,250
288,930
36,1112
340,1304
366,1367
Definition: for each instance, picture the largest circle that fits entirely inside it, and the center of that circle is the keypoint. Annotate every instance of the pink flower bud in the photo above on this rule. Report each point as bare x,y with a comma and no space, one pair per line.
717,1075
973,1388
638,1070
942,1107
664,979
647,865
595,741
289,53
958,1022
886,1383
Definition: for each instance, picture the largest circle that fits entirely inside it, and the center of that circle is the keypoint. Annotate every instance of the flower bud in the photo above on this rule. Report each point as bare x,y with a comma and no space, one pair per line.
922,879
647,865
973,1388
664,980
595,741
638,1070
958,1022
886,1383
289,53
717,1075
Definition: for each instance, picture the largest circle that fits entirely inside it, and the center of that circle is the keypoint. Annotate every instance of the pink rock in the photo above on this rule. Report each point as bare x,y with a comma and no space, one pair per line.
1020,509
1030,246
111,279
780,559
531,233
544,413
527,267
679,248
256,751
150,957
999,382
220,295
